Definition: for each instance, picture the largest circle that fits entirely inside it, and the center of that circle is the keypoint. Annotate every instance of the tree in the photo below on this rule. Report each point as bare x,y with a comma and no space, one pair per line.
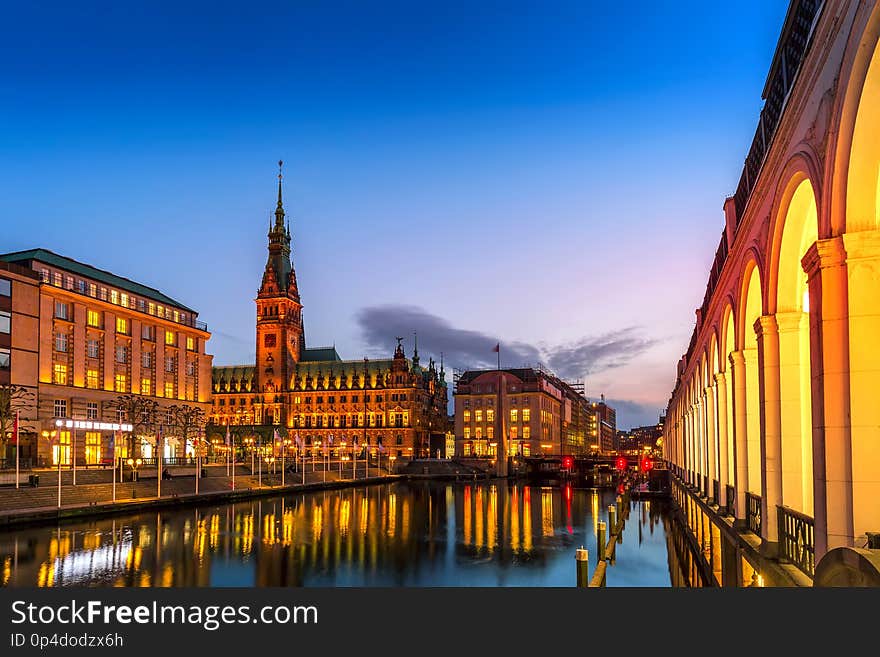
12,398
189,421
140,412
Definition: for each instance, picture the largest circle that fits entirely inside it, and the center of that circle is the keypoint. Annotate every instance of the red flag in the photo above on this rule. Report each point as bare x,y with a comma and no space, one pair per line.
497,348
15,430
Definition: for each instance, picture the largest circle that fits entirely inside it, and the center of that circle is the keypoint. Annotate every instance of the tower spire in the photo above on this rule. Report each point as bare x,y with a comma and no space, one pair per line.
279,211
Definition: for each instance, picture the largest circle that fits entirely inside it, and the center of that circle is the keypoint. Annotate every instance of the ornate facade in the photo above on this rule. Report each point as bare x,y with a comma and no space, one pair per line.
312,392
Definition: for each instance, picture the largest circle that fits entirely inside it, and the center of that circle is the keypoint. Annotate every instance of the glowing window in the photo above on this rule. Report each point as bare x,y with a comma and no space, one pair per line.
527,415
59,374
490,415
478,415
93,318
513,414
169,389
170,338
114,296
92,379
146,386
467,416
120,383
122,325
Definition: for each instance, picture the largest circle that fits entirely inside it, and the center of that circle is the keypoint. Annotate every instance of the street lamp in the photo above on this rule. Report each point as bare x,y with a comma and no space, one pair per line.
134,464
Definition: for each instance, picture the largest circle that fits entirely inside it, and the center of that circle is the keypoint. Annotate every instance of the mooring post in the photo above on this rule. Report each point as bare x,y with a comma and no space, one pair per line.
582,561
620,509
600,540
612,519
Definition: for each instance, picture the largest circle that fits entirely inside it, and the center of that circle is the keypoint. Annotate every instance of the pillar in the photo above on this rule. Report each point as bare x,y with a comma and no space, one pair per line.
771,430
863,296
825,264
740,454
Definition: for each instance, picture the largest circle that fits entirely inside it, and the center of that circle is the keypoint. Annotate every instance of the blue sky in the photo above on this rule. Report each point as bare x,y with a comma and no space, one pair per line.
550,175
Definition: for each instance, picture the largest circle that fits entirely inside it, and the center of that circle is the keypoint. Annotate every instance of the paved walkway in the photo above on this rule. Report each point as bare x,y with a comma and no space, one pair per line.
42,500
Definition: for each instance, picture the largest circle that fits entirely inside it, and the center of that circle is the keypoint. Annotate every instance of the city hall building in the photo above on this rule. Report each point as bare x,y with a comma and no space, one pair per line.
79,339
312,393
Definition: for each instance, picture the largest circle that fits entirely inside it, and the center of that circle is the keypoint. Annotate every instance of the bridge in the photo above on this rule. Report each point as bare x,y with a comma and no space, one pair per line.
773,426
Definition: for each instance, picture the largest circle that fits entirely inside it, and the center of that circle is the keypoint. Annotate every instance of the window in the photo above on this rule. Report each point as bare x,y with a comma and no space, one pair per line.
467,433
190,367
331,399
467,416
93,348
169,417
141,305
147,359
490,415
169,389
478,433
146,386
148,332
342,399
59,374
527,433
5,359
121,354
170,338
5,322
61,310
56,278
319,400
513,414
68,282
61,451
93,290
120,383
152,308
122,325
123,300
490,433
92,411
478,415
513,433
93,318
527,414
169,363
120,415
44,275
60,408
5,287
92,379
190,343
103,294
297,399
61,342
114,297
81,286
93,447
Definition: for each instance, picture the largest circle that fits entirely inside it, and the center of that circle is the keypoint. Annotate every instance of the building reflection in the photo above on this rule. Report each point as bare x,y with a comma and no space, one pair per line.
404,534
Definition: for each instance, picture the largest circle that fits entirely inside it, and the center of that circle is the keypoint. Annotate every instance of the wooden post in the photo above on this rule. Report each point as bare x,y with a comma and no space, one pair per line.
600,540
612,519
582,560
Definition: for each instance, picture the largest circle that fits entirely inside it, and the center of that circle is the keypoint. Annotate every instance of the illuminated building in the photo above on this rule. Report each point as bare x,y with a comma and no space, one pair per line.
606,425
102,336
311,391
527,411
774,415
19,336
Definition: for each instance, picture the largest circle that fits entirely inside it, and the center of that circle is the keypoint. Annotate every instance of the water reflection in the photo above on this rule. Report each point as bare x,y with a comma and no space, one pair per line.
406,534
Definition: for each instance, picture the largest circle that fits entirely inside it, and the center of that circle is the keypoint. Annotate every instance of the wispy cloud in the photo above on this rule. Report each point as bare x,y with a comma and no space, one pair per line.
473,349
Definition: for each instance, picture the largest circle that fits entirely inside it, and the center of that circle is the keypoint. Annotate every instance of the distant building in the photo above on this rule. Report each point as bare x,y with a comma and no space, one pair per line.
83,337
311,393
525,411
606,421
647,436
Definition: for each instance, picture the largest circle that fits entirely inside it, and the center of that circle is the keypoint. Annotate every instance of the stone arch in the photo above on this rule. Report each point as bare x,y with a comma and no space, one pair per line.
794,231
855,201
728,345
750,310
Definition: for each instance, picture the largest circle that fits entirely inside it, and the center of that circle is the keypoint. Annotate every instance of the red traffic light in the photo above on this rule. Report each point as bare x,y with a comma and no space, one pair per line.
646,464
621,463
567,462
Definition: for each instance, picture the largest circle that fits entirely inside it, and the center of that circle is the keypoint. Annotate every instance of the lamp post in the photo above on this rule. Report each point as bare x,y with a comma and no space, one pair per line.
50,436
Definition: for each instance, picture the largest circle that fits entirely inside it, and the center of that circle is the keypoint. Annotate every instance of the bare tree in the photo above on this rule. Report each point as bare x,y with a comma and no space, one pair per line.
189,421
12,398
140,412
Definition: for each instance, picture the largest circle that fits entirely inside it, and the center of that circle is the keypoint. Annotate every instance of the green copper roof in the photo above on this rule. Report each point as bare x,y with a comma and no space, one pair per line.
320,354
50,258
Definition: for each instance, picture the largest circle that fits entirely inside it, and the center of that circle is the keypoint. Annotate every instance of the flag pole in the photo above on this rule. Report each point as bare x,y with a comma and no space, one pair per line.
17,448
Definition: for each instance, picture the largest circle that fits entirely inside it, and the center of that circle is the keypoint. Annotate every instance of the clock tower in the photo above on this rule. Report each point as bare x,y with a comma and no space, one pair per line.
280,335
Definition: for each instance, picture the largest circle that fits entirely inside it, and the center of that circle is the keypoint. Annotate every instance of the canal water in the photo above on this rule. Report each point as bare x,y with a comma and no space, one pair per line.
423,533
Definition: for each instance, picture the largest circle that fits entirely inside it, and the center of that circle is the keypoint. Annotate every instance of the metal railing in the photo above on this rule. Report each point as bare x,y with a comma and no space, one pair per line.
716,491
731,500
796,539
753,513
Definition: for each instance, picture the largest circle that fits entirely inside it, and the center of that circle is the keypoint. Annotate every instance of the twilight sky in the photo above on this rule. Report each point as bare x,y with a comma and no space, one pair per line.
547,175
